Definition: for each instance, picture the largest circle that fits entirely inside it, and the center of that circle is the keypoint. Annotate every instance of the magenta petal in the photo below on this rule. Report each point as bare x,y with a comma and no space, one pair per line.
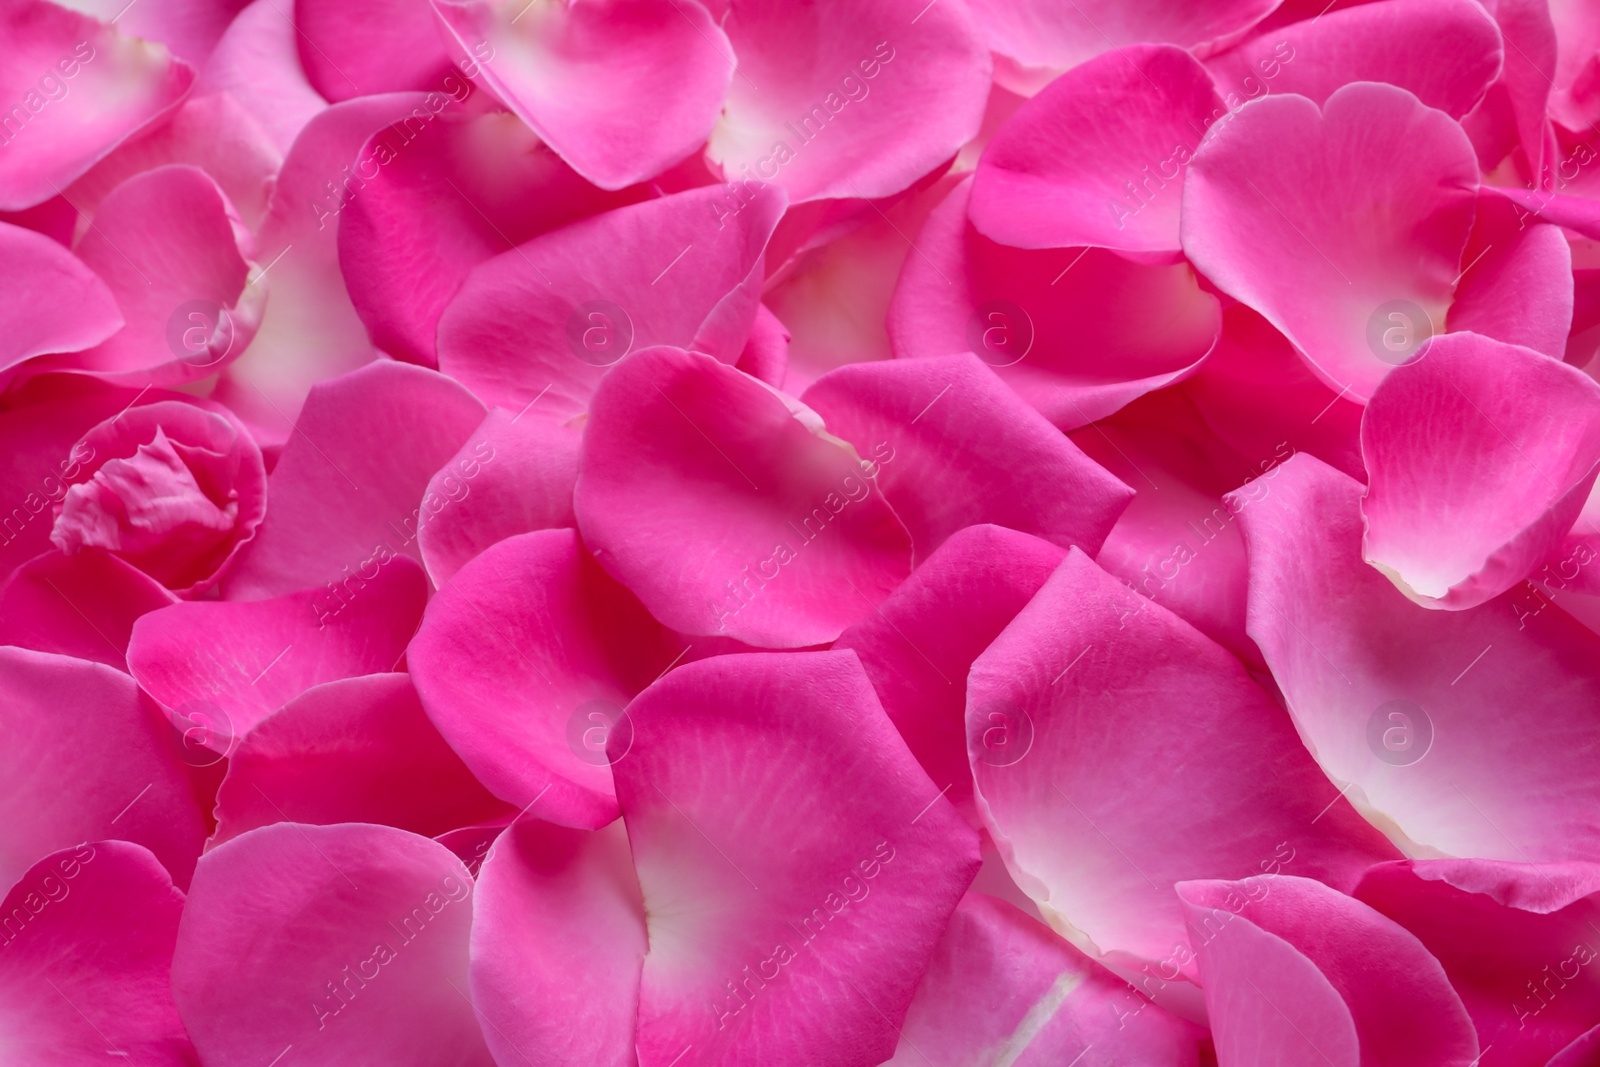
378,46
798,867
57,302
1481,455
83,605
1098,157
74,89
1375,42
512,476
345,943
919,645
348,491
256,62
85,972
537,326
1524,970
848,98
120,777
1002,984
728,511
247,659
1404,707
1087,687
524,659
1076,332
966,451
1356,287
1296,972
558,939
1518,286
355,750
622,89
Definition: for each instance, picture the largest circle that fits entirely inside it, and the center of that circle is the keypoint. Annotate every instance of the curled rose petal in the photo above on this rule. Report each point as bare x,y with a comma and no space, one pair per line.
83,605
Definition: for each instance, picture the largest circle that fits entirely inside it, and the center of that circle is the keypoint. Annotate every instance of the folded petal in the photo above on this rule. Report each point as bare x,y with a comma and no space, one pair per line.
466,188
558,940
355,750
1480,455
1002,984
1525,972
538,325
174,253
243,660
848,98
74,89
1405,708
86,970
1372,43
524,662
1296,972
1518,285
83,605
512,476
1357,279
728,511
918,646
58,302
1575,96
1088,686
797,866
1098,157
966,450
118,777
256,62
1076,332
664,65
347,487
343,943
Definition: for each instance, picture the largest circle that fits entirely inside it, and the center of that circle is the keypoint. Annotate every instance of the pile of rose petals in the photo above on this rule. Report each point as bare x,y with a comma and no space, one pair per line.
800,533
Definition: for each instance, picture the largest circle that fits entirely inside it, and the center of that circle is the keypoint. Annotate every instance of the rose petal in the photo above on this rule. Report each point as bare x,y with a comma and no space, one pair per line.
83,605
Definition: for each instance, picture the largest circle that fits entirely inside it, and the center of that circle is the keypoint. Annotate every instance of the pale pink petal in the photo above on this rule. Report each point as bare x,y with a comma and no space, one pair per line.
1404,707
87,756
1382,277
85,972
57,302
1371,43
848,98
798,867
919,645
1575,99
1089,687
83,605
1098,157
242,660
558,940
348,488
329,944
465,189
1518,286
189,28
257,63
966,450
1076,332
621,89
1001,984
513,475
73,89
379,46
539,325
1524,969
524,662
1480,455
1296,972
728,509
355,750
174,253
